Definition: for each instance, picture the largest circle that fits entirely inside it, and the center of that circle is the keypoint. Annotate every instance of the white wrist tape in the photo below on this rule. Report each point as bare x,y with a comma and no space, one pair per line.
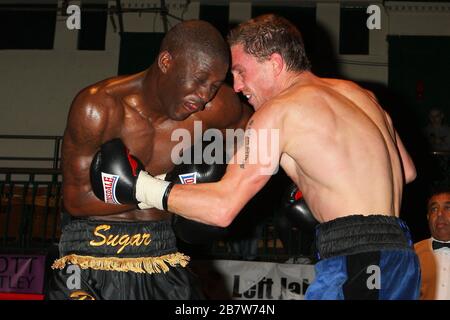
143,206
150,190
161,176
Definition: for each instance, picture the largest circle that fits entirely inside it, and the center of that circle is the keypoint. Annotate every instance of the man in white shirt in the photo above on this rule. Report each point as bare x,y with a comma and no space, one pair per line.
434,253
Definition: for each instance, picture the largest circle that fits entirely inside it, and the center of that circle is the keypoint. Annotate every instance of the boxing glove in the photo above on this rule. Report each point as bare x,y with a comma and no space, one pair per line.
189,231
294,206
115,174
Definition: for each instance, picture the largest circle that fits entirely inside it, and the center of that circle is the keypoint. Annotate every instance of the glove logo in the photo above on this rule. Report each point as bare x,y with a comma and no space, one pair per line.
188,178
109,182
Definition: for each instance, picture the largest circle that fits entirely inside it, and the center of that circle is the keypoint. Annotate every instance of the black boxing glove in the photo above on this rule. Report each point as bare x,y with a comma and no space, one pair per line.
190,231
115,175
294,206
196,173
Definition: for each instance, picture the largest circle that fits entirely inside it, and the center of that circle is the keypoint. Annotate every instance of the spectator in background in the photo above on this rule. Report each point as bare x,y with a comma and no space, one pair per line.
437,131
434,253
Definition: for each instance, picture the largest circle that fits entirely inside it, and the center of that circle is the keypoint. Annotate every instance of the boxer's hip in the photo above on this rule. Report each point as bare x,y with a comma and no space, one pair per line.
142,246
365,257
358,234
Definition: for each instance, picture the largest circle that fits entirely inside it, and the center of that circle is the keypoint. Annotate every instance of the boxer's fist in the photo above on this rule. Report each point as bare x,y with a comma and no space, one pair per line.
196,173
189,231
294,206
114,173
118,177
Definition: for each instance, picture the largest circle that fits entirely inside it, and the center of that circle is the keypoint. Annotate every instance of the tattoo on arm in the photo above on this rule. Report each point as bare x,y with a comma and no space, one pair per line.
247,144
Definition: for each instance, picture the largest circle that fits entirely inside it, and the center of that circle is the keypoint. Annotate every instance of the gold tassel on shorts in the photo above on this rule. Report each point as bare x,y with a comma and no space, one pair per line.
139,265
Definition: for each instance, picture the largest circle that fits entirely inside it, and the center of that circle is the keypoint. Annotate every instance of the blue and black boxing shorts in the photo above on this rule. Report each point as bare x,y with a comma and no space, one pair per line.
365,257
109,260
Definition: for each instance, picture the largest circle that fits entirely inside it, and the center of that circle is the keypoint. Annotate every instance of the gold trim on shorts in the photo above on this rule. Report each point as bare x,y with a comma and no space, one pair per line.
139,265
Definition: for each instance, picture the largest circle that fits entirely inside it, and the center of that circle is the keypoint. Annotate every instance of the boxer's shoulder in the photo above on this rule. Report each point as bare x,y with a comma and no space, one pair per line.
95,109
347,84
226,100
351,90
109,86
225,109
94,96
294,102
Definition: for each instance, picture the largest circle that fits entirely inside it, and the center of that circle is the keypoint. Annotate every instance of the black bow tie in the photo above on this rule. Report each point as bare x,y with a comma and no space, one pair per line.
437,245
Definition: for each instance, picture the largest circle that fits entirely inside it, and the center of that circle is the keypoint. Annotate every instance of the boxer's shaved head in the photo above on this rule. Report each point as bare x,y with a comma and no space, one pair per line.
195,36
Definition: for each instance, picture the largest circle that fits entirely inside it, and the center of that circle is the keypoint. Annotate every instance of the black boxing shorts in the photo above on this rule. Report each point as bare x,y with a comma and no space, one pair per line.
365,257
109,260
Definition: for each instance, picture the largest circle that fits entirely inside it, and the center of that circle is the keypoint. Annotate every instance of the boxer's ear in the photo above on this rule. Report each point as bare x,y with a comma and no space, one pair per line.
164,61
277,62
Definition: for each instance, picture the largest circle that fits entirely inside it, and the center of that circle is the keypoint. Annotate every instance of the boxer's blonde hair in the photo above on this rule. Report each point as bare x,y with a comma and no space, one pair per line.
268,34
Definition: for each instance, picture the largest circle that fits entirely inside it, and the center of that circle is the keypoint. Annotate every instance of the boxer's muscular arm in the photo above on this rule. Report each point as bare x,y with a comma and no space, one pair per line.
409,169
90,123
218,203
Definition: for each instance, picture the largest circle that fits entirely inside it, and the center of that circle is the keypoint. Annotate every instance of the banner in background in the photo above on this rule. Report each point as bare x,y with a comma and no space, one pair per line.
22,274
248,280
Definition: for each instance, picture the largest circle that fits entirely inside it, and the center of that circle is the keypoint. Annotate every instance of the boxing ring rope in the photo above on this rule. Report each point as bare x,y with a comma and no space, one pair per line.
57,140
30,197
29,208
31,203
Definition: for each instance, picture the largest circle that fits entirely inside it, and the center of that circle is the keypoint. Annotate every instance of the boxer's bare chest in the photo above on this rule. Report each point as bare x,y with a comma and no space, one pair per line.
156,143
